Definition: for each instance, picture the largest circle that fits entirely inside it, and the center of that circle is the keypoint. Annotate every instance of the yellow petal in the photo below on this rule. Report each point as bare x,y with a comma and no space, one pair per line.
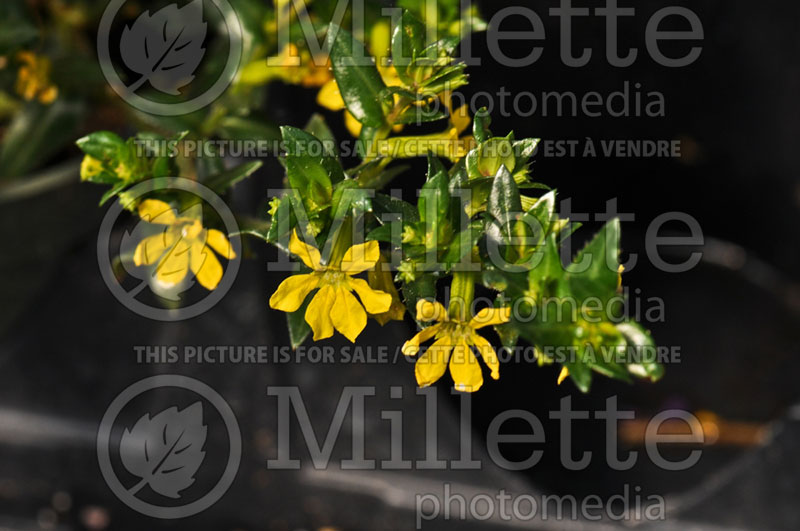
174,266
433,363
308,254
318,313
487,353
411,347
292,292
151,248
330,97
563,375
490,316
374,301
155,211
205,265
360,257
219,242
353,126
464,369
430,311
348,315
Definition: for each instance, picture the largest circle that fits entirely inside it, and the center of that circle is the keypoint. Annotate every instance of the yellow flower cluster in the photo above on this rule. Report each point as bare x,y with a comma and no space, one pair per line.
183,245
33,78
333,306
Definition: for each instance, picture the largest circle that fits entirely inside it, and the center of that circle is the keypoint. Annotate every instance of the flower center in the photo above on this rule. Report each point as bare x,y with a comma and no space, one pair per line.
456,330
333,277
191,230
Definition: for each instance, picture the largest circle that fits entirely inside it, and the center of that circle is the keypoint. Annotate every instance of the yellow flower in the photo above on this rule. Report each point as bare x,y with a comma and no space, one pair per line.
182,246
454,340
333,306
90,168
33,78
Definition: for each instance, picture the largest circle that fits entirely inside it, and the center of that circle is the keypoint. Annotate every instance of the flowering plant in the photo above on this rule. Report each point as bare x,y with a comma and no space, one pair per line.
480,221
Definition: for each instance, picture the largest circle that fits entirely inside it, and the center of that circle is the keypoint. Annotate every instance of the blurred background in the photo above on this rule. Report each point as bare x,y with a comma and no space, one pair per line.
67,345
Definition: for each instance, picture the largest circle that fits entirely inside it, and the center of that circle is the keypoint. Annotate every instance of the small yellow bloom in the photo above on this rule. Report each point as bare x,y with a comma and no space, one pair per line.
33,78
454,340
90,168
182,246
333,306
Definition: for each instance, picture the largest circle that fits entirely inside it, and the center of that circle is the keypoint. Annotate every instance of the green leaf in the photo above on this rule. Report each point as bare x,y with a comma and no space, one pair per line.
599,278
113,191
357,198
480,125
503,205
298,327
540,217
309,169
549,268
636,336
385,204
463,243
222,181
317,127
102,145
282,222
302,145
581,374
408,41
434,201
382,233
360,84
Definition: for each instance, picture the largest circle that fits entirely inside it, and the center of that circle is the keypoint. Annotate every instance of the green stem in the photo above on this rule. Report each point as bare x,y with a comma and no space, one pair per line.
462,293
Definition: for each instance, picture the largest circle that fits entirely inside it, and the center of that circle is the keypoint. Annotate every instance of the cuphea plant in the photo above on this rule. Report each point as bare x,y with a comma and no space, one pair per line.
479,222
